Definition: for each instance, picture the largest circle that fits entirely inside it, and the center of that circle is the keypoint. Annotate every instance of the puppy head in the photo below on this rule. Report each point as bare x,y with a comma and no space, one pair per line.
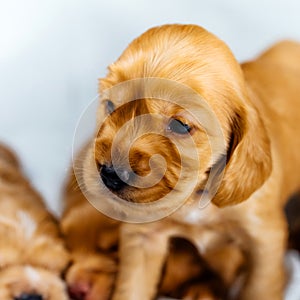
25,240
150,143
154,115
27,282
32,257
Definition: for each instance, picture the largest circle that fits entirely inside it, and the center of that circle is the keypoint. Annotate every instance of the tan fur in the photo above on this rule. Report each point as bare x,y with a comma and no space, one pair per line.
33,255
91,243
188,276
257,106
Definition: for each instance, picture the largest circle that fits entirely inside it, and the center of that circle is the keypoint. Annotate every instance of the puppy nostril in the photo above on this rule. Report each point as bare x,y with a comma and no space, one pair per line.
112,180
29,297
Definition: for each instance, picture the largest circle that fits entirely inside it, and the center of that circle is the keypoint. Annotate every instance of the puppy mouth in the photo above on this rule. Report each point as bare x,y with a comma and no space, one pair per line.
122,184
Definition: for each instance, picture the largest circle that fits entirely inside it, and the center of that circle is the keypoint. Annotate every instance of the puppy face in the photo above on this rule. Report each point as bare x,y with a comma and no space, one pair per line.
27,282
33,256
154,137
154,134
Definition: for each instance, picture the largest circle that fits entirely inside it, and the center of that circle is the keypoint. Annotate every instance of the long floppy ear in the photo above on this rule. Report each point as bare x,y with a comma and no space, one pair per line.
249,161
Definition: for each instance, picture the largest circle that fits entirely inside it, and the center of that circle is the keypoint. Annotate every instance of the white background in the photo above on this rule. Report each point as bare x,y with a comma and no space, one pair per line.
53,52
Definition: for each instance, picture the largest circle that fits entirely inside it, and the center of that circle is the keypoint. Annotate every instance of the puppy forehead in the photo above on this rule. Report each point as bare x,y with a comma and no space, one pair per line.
164,107
131,109
157,93
139,117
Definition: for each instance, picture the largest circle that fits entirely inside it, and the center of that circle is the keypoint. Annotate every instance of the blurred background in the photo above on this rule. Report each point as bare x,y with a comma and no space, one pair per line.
53,52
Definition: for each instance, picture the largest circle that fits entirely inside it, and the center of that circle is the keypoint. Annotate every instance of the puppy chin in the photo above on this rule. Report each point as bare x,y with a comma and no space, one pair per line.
18,281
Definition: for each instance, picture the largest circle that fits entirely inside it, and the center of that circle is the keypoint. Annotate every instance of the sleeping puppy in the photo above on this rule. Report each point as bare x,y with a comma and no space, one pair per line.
177,102
32,253
92,239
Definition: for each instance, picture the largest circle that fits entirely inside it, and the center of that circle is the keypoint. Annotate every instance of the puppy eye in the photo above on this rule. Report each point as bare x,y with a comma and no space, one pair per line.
178,127
109,106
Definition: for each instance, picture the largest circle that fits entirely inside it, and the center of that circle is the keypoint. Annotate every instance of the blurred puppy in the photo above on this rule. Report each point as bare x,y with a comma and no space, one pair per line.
92,239
257,107
32,253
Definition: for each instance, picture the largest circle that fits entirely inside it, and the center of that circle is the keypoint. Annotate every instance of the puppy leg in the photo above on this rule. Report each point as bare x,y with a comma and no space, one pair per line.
142,256
267,275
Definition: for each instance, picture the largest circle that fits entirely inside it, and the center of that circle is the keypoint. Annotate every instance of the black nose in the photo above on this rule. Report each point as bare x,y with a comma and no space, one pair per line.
29,297
111,179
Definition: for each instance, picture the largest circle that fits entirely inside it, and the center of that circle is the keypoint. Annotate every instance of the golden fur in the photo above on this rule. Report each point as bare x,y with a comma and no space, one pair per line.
92,242
257,106
33,255
187,275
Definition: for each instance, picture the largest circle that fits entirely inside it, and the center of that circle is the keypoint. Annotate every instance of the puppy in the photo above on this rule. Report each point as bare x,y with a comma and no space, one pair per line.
230,130
32,253
92,239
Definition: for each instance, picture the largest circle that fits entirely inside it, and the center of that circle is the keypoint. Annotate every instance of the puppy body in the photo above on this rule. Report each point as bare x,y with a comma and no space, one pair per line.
257,105
32,252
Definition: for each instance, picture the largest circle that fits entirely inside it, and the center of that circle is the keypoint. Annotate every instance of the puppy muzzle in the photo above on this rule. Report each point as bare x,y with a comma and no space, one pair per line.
112,180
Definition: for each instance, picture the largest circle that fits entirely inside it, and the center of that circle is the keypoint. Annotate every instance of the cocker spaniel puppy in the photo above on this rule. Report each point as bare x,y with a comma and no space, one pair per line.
92,239
32,252
187,133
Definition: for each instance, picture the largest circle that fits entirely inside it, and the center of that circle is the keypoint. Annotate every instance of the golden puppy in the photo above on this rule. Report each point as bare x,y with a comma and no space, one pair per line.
92,239
181,121
32,253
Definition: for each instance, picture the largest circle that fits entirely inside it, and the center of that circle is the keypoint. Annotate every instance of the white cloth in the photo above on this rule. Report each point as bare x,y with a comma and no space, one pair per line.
293,267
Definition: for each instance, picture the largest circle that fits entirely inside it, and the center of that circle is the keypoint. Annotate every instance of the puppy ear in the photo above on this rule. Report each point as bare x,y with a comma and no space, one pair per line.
248,159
